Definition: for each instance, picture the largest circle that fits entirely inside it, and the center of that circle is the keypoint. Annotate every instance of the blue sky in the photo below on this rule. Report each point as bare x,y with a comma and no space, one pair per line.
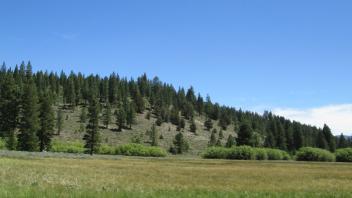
286,56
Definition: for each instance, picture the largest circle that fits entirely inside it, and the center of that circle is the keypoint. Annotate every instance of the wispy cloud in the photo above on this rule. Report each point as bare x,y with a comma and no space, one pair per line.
338,117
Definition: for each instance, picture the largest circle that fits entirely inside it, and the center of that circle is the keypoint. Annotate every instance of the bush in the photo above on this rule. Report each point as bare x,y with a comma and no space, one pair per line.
241,153
261,154
105,149
140,150
245,153
67,147
314,154
216,153
2,144
344,155
274,154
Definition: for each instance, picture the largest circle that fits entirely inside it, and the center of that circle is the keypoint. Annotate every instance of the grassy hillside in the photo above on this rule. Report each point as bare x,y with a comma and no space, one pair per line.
171,177
198,142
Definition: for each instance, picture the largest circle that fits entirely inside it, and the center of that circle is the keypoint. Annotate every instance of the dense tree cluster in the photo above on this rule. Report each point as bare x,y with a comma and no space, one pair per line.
28,100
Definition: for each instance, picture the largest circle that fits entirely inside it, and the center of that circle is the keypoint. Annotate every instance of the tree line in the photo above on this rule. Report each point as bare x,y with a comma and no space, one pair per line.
28,120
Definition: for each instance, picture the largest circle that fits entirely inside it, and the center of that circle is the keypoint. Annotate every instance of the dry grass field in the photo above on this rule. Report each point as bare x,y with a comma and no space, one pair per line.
170,177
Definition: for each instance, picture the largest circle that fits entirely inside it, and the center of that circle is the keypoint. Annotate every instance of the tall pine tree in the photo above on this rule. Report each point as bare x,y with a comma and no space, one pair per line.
92,136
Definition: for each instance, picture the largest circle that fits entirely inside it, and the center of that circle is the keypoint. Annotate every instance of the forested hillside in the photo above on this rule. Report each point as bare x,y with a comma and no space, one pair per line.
36,108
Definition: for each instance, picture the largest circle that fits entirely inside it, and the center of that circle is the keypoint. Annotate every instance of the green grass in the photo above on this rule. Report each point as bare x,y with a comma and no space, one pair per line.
170,177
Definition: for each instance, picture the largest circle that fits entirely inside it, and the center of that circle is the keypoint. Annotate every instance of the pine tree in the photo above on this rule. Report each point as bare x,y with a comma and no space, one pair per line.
83,116
221,135
9,110
92,136
29,123
245,134
159,121
154,135
218,143
342,142
46,130
107,115
208,124
213,140
59,121
180,144
330,139
131,115
230,141
139,101
321,141
120,118
297,136
281,138
182,123
193,127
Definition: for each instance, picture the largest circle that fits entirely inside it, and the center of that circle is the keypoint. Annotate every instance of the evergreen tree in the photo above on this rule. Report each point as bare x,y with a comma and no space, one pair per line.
281,138
139,101
159,121
107,115
131,115
120,118
9,110
29,123
321,141
230,141
92,136
245,134
182,123
208,124
213,140
83,116
342,142
193,127
218,143
330,139
221,135
154,135
46,130
200,105
180,144
59,121
297,136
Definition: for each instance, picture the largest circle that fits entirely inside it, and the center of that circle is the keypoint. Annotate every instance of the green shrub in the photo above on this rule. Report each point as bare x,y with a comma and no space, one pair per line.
245,153
314,154
261,154
105,149
216,153
285,155
67,147
274,154
344,155
241,153
2,144
140,150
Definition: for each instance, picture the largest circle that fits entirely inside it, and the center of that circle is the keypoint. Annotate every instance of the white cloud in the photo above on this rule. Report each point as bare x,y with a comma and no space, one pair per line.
337,117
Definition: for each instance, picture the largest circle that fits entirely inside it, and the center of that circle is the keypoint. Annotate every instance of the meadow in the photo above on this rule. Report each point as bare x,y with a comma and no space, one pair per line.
63,175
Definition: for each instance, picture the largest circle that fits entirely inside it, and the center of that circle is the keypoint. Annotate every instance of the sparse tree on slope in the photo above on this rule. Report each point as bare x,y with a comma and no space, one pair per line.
46,130
92,136
29,124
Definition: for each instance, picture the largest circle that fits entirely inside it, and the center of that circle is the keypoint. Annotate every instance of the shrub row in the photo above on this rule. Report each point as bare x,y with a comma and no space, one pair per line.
314,154
344,155
245,153
140,150
67,147
127,149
